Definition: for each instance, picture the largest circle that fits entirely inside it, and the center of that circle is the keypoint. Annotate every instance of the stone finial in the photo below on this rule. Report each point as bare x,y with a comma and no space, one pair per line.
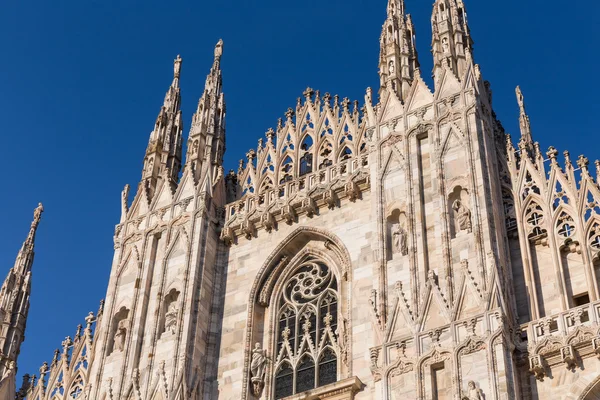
89,320
66,344
597,171
289,114
346,104
552,153
78,332
327,99
583,162
177,67
308,93
55,358
568,162
100,308
43,370
250,155
270,134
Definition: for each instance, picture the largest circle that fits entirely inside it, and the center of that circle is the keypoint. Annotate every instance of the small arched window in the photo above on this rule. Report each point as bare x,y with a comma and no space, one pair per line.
307,339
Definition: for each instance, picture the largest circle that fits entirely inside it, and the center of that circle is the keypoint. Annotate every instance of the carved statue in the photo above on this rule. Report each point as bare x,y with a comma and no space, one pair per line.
400,239
473,393
259,360
520,99
445,45
171,317
257,369
462,215
219,49
120,336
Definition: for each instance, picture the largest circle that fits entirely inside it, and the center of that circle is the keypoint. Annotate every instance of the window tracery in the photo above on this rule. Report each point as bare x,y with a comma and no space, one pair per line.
307,338
565,226
534,217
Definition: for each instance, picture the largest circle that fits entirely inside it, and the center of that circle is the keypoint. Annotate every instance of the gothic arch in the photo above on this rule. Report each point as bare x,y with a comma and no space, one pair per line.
274,270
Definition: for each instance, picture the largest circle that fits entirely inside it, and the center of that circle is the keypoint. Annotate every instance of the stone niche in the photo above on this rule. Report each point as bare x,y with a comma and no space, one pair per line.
396,234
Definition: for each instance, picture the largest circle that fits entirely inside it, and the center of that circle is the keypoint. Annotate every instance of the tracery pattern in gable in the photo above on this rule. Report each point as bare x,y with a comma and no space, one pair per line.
535,220
529,186
565,226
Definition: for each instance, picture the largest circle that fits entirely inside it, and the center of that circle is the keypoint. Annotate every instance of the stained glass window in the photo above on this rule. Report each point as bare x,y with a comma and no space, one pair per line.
307,332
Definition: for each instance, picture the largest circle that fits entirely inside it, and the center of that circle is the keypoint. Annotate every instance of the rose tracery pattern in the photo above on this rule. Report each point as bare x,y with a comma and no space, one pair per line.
308,345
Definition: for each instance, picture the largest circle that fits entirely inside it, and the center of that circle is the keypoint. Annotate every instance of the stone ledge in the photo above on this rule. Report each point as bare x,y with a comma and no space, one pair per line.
341,390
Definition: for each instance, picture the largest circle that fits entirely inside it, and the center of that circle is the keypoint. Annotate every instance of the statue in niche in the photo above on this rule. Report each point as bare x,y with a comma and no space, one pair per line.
392,69
171,317
257,369
462,216
120,336
473,393
399,239
445,45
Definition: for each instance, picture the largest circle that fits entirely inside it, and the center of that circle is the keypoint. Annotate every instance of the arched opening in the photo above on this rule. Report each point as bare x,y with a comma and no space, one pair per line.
307,328
298,314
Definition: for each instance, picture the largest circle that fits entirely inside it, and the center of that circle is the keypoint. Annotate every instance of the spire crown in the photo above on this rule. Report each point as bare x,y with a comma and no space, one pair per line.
37,216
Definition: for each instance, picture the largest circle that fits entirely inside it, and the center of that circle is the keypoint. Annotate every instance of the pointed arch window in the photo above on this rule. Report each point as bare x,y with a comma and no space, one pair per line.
307,338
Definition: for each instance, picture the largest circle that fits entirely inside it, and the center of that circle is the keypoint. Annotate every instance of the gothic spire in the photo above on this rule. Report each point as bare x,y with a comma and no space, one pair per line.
398,57
452,43
25,257
14,299
206,143
524,123
163,155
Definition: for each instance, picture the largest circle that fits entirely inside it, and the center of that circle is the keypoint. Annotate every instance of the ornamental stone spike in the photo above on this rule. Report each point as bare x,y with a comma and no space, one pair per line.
17,286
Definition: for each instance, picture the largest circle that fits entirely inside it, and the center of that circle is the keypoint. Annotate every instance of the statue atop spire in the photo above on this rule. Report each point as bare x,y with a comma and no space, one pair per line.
219,50
177,67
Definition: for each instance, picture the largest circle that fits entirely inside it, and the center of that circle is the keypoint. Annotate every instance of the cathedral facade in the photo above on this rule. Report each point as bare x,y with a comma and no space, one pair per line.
399,249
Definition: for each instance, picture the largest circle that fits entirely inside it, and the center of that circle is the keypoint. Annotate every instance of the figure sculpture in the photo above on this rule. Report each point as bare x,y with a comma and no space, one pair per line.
462,216
473,393
171,318
400,242
120,336
257,369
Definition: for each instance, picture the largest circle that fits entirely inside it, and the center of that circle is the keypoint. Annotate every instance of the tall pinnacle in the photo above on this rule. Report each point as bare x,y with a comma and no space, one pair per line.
37,216
451,44
206,144
14,300
524,123
398,59
163,155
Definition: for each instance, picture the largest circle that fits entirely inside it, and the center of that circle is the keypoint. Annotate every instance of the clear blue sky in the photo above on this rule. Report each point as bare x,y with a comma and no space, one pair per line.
82,83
